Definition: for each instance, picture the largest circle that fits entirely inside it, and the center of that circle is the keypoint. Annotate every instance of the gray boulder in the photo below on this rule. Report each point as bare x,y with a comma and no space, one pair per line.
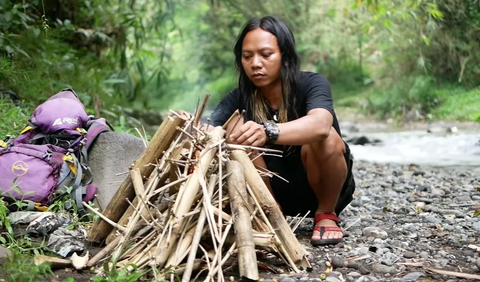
110,158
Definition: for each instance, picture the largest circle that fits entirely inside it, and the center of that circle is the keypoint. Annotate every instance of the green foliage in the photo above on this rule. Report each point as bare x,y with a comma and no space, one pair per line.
458,103
123,275
13,118
413,93
20,268
121,56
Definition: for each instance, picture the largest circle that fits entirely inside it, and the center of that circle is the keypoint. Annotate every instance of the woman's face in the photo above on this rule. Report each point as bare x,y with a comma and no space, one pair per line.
261,58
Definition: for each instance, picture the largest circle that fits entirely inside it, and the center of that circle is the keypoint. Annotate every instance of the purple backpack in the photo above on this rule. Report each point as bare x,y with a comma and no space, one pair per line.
50,156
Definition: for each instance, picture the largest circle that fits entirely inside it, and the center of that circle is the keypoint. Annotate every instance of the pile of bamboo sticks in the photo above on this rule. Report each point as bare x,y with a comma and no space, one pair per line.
191,204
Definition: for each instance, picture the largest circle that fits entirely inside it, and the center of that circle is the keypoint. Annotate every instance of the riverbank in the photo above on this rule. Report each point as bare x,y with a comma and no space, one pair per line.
404,222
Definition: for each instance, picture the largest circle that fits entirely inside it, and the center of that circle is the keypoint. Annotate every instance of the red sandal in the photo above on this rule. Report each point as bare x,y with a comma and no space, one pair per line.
323,229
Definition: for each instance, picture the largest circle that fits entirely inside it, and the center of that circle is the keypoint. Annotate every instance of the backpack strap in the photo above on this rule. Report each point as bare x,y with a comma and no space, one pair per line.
95,128
77,186
77,192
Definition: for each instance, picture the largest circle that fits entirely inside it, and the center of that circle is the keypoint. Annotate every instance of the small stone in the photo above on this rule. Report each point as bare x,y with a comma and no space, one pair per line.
420,206
476,225
363,250
335,274
354,274
411,277
363,270
478,262
388,259
332,279
409,255
304,278
476,198
338,261
380,268
424,255
426,200
376,232
433,219
464,198
437,192
288,279
356,203
418,172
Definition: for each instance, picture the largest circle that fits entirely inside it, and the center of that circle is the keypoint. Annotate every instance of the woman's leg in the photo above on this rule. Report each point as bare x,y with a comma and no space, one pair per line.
326,169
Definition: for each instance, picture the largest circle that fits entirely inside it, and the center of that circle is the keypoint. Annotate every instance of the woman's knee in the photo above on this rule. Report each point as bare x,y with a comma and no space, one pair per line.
333,145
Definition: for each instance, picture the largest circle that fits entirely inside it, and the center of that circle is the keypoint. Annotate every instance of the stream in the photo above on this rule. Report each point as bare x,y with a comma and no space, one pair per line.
421,147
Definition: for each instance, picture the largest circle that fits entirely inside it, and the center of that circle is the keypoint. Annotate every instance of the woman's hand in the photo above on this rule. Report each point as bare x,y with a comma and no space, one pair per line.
249,134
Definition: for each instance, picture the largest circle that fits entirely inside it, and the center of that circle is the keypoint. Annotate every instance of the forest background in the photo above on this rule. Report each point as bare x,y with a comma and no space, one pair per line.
132,60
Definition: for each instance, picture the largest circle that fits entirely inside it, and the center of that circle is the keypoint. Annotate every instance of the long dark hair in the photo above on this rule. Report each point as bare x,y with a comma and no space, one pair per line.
290,70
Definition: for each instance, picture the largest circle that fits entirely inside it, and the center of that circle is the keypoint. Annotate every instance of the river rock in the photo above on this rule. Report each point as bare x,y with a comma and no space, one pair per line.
362,140
409,255
354,274
384,269
437,192
424,255
338,261
376,232
388,258
332,279
476,225
412,277
433,219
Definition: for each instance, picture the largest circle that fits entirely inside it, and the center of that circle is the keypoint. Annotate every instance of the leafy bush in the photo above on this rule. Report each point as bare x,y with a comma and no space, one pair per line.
20,268
458,104
413,93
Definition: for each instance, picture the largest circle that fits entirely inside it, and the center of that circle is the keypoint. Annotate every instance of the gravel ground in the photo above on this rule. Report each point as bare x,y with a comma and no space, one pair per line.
404,221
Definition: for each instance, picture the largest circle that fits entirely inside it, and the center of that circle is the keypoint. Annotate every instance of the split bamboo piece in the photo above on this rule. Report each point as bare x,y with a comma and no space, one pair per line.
247,258
118,205
190,189
294,249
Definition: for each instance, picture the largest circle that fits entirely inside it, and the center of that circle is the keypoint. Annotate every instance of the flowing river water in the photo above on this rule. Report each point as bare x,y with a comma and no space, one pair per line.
461,148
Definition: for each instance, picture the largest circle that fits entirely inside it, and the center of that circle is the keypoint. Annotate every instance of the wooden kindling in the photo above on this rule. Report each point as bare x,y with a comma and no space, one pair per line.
178,221
286,236
160,141
190,190
247,258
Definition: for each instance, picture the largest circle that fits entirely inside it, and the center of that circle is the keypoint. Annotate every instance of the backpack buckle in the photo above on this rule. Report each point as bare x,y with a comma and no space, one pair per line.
47,155
82,131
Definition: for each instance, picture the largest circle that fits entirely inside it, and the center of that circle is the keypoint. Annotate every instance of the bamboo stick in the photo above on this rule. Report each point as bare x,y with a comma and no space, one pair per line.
117,206
247,258
198,233
191,188
220,200
285,256
273,212
157,177
199,113
235,114
121,228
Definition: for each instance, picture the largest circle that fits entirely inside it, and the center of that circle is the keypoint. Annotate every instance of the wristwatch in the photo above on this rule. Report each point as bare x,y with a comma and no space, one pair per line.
272,131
